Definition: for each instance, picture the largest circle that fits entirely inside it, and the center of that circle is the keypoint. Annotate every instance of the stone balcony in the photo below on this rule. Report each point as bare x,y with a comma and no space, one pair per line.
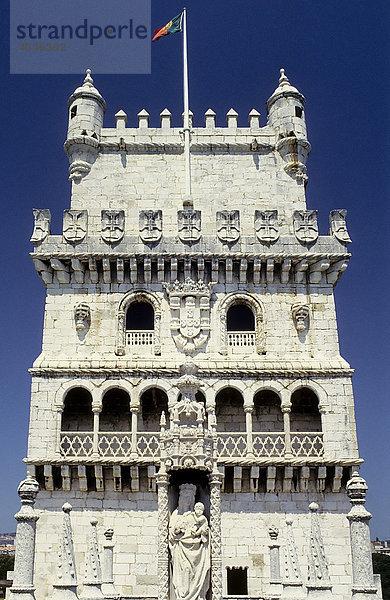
229,445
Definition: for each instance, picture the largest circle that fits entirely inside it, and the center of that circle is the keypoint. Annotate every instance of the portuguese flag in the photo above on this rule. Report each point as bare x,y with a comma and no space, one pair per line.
173,26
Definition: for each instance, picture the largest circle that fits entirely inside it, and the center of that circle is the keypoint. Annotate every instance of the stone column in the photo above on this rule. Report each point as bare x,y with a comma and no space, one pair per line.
65,587
363,579
108,588
92,588
215,530
96,416
286,410
22,586
134,408
249,434
162,480
57,449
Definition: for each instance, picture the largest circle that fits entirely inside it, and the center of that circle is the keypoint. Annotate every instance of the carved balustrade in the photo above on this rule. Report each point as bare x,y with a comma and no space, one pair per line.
228,444
140,338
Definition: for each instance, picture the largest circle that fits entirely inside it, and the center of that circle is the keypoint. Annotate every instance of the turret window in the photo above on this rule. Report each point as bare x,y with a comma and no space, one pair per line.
73,111
298,112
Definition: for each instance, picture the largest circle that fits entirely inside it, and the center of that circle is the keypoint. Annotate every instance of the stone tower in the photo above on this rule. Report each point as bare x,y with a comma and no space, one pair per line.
190,399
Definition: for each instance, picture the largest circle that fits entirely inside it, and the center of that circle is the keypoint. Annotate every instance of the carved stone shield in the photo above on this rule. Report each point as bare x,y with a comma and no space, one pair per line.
189,225
190,313
306,226
113,225
338,226
267,226
75,225
42,219
228,225
150,225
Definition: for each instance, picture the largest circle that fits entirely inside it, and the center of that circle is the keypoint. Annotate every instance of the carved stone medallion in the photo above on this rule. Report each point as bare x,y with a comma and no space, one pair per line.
113,225
338,226
190,313
306,226
189,225
228,225
82,316
300,314
42,219
150,225
266,225
75,225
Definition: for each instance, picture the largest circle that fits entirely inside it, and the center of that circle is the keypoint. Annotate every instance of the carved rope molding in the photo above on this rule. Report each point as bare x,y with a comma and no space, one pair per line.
137,296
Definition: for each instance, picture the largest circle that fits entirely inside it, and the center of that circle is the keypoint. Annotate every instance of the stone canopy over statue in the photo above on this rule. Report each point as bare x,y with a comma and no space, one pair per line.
189,543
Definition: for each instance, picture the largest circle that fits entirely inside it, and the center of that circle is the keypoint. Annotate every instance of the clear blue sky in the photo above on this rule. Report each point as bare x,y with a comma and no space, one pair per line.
337,54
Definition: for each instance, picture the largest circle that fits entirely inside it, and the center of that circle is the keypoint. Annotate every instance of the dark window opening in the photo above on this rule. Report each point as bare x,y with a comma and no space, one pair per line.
115,414
77,414
267,414
73,112
305,414
140,317
298,112
84,132
153,403
237,581
240,318
229,410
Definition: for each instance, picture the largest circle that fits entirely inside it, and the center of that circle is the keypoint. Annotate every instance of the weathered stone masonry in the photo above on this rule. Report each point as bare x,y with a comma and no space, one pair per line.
192,347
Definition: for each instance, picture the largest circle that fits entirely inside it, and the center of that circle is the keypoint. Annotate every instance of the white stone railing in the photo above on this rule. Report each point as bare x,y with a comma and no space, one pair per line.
229,444
76,444
140,338
241,339
268,444
307,444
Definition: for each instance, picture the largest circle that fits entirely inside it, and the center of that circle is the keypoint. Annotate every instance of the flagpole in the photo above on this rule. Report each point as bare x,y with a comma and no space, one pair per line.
188,195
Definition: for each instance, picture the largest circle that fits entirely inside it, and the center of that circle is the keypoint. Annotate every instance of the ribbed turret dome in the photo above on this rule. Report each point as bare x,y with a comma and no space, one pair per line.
87,90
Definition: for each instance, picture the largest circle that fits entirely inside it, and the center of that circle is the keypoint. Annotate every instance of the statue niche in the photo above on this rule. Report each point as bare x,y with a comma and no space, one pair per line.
189,545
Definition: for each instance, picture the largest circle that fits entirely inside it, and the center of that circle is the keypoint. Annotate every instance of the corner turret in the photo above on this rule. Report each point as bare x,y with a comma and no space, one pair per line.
86,111
286,115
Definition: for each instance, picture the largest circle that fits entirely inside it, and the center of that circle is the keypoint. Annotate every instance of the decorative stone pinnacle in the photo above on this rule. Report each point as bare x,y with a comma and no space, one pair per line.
67,507
283,80
94,521
88,79
163,420
357,488
313,507
28,489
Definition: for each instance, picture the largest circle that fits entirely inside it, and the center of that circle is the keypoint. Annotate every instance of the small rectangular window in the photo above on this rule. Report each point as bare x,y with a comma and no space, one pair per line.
298,112
237,581
73,112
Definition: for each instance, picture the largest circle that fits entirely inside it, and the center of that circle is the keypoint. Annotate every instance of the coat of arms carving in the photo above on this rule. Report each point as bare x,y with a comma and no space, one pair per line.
228,225
113,225
338,226
306,226
190,313
150,225
42,219
75,225
267,226
189,225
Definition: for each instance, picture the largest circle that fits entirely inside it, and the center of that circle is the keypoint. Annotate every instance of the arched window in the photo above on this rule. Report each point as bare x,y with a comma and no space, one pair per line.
115,414
267,415
139,318
153,402
240,318
77,414
305,415
229,410
241,324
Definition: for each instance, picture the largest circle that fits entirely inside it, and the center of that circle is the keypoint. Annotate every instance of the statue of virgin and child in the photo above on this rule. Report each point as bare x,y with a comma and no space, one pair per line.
189,544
